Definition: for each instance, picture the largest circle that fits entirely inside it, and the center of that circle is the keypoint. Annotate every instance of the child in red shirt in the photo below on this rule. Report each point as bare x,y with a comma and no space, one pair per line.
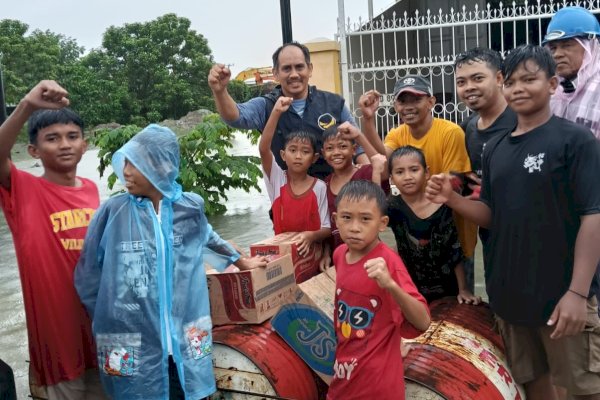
376,301
48,217
299,200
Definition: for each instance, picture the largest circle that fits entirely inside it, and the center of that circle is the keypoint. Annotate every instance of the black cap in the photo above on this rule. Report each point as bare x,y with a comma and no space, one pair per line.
413,84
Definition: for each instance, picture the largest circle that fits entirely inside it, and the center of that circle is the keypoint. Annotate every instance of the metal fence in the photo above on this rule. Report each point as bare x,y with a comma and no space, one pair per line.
409,39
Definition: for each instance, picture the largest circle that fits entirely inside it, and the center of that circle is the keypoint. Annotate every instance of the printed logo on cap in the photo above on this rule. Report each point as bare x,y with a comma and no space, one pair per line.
409,81
326,121
554,35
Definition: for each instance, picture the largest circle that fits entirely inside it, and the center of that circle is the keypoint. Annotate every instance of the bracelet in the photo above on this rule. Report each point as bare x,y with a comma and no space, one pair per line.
578,294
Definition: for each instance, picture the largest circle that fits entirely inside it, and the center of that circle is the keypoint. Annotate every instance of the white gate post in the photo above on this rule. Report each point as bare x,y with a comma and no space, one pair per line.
343,53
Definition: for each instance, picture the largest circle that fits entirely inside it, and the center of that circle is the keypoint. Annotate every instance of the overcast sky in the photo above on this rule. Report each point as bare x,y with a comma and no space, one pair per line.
243,33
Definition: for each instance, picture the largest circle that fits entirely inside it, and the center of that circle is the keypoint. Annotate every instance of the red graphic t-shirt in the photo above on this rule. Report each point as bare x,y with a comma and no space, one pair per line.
296,213
369,326
48,223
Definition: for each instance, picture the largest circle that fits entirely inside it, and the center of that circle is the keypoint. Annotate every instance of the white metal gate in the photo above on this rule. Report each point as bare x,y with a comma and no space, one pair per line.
411,39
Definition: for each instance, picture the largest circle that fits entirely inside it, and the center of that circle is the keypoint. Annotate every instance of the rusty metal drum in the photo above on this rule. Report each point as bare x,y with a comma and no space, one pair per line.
253,362
460,357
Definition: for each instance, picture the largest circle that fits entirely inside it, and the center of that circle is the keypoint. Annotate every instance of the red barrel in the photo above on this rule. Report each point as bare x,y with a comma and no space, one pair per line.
459,357
253,359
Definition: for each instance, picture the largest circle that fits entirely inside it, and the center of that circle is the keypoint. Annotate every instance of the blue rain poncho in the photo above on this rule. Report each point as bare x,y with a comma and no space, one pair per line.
141,277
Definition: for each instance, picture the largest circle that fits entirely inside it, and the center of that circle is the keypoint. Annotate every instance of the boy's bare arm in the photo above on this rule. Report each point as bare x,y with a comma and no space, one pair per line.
46,94
570,314
439,190
264,145
368,104
414,311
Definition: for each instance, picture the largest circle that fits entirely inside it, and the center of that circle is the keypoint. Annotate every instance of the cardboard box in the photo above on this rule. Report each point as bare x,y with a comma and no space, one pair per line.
305,322
285,243
253,296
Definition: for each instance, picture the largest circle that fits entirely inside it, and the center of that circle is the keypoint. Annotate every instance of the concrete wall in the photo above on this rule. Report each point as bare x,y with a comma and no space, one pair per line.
325,57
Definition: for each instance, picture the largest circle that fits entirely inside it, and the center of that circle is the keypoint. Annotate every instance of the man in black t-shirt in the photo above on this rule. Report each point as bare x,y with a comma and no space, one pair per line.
541,199
479,81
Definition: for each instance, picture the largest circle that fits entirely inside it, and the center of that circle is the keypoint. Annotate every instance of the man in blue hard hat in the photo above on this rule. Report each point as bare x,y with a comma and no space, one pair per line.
572,38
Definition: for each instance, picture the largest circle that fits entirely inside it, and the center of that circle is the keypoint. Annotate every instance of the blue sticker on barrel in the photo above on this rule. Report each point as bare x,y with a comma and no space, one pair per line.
310,333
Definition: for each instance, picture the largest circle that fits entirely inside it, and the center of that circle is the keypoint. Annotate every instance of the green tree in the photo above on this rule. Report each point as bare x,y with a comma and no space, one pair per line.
162,64
27,59
207,166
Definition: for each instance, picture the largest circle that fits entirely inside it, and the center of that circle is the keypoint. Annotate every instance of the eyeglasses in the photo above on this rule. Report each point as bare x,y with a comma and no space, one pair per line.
357,317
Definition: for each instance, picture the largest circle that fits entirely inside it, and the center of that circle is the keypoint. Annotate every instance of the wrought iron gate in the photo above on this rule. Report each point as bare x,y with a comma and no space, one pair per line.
409,39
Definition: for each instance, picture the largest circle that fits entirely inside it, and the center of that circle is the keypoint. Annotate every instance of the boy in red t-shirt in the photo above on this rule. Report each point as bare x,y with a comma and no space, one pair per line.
299,200
376,301
48,217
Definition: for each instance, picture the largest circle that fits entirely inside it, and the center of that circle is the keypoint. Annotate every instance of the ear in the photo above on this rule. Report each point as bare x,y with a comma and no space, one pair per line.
553,84
499,79
334,216
427,174
431,102
84,147
282,154
310,69
275,73
33,151
383,222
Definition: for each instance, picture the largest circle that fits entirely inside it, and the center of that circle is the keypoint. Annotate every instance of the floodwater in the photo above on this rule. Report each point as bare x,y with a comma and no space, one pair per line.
245,222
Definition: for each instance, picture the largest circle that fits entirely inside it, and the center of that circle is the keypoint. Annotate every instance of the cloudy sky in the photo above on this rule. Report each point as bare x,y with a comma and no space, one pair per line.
239,32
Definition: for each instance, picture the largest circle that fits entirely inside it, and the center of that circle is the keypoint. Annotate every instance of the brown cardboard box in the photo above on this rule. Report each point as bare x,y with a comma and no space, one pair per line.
305,267
253,296
305,322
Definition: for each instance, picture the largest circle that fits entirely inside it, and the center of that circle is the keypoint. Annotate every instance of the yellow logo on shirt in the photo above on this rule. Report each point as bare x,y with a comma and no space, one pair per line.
72,244
71,219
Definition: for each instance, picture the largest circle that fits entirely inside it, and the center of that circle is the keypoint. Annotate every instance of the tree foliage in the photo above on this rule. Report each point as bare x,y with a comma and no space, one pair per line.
207,166
142,73
27,59
162,65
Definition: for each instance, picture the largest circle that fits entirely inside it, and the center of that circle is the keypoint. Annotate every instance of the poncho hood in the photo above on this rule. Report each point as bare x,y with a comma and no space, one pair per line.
155,153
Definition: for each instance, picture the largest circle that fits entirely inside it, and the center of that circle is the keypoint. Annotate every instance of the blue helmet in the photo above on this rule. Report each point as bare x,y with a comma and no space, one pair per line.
572,22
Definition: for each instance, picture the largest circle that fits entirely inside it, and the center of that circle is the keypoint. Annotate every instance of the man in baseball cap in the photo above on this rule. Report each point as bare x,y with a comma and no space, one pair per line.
442,141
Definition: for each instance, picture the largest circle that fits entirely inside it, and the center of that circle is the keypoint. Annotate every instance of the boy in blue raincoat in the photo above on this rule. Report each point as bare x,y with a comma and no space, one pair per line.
141,277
